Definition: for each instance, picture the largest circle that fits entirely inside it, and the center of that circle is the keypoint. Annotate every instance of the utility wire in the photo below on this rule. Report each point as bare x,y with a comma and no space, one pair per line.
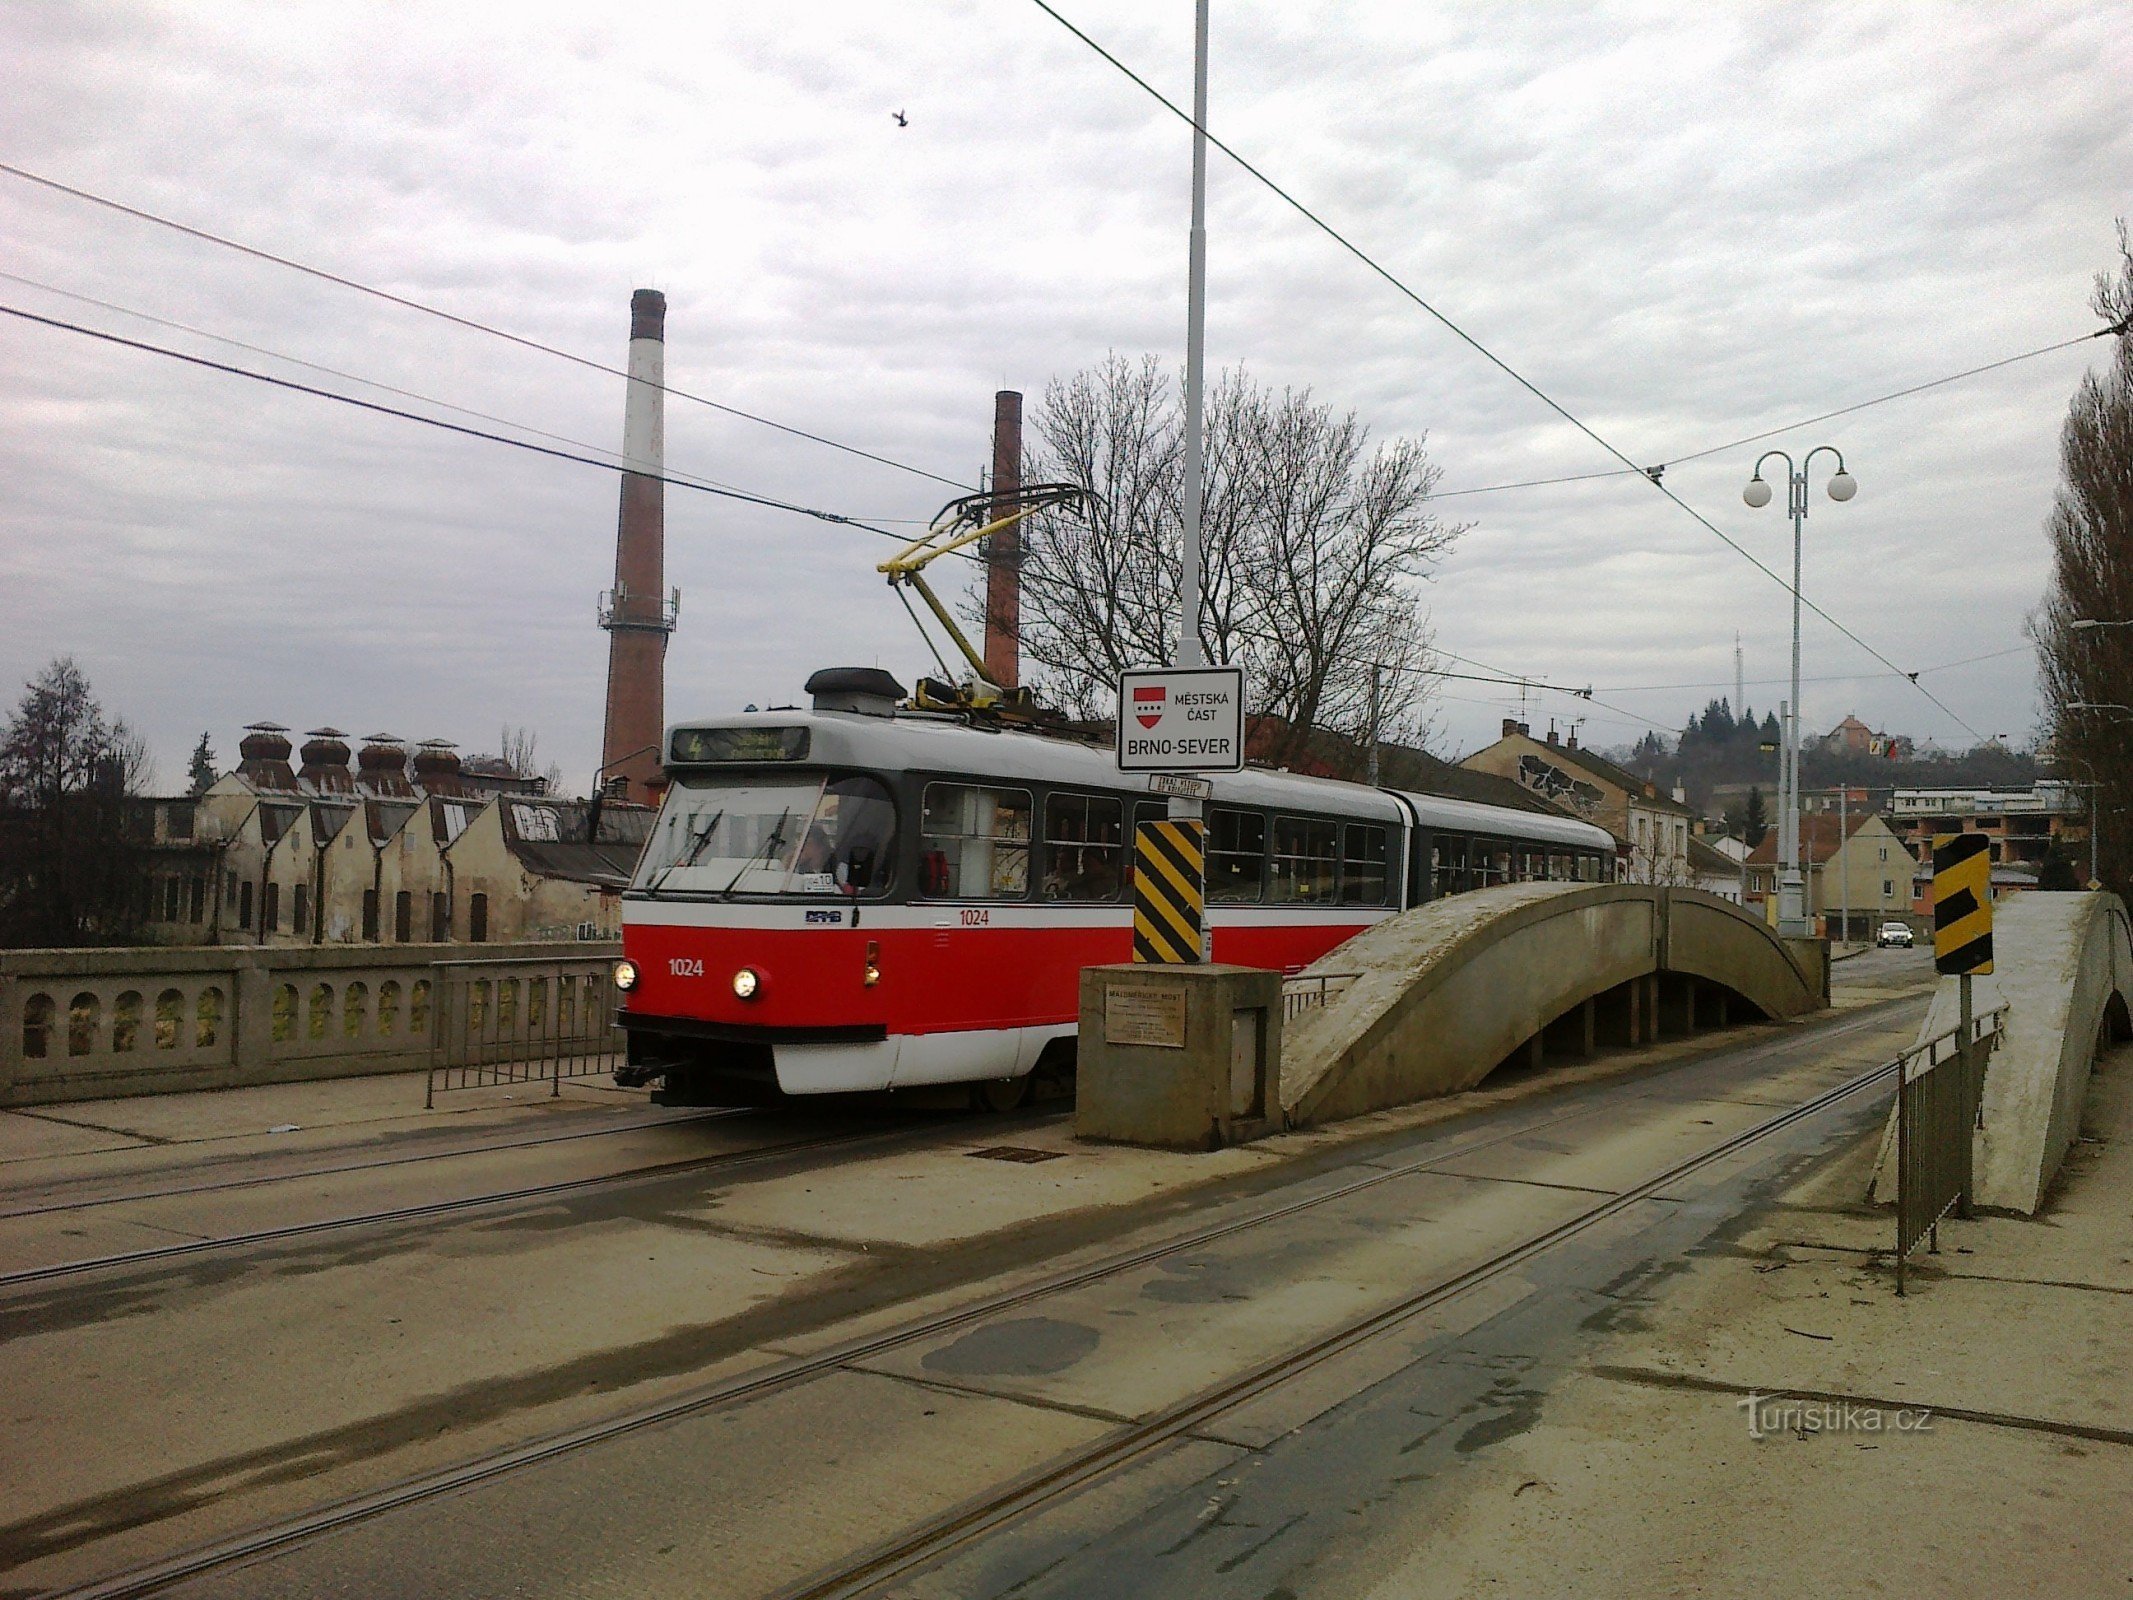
679,481
356,377
1828,677
449,427
1790,427
464,322
1398,285
1899,394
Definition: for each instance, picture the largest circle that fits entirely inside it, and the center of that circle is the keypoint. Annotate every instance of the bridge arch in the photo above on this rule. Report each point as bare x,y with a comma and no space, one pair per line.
1445,993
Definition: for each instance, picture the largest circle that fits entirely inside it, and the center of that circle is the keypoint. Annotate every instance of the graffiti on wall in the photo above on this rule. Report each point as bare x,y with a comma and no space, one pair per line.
1545,777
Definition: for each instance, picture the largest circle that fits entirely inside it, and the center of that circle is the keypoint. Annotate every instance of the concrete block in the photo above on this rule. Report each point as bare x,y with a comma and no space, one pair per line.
1186,1058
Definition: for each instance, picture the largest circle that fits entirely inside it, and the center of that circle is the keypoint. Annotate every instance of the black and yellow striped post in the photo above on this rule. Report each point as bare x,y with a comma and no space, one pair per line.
1962,904
1168,860
1962,949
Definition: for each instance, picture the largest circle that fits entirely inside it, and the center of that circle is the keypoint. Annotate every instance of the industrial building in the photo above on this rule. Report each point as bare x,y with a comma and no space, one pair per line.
397,849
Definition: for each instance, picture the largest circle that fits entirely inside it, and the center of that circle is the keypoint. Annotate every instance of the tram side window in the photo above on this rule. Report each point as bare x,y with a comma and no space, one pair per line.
975,843
1559,866
1306,864
1236,855
1082,853
1362,865
1588,867
1447,864
1489,861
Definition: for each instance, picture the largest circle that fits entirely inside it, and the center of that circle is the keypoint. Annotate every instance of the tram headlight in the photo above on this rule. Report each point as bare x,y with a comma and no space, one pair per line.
625,976
746,982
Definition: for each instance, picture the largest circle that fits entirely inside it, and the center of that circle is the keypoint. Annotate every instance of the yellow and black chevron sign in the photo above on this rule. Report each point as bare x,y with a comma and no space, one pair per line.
1962,904
1168,889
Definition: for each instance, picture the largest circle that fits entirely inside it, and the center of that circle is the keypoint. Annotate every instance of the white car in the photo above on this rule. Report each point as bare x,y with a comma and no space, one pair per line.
1894,933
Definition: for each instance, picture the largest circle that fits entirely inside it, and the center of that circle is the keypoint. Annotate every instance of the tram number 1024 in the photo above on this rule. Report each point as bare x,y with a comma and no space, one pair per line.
685,967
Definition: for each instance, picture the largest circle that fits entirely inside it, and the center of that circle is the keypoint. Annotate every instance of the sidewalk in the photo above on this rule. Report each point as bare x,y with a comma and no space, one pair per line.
1974,1438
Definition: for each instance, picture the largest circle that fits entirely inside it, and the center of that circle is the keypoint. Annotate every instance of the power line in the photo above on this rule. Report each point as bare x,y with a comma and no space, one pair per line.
1898,394
438,422
679,481
1790,427
1831,677
464,322
1397,284
352,377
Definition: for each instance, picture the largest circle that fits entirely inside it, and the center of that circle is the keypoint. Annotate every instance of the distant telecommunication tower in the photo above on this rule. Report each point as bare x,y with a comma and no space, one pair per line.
1740,682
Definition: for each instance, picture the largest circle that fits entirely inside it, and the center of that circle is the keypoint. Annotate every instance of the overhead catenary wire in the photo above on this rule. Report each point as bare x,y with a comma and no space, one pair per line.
470,323
232,370
1783,428
356,377
1828,677
1372,265
681,481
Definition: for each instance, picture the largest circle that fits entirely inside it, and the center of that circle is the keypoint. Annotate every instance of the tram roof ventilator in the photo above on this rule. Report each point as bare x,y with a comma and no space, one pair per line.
866,691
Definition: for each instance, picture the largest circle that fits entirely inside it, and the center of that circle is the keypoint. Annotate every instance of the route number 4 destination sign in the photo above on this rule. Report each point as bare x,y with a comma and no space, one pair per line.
1181,719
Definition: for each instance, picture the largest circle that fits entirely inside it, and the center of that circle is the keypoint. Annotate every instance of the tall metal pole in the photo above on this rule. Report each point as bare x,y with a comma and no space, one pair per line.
1189,652
1792,915
1844,878
1374,704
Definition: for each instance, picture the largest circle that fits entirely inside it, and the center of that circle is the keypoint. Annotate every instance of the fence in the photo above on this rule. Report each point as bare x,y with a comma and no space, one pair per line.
521,1020
1938,1108
1309,991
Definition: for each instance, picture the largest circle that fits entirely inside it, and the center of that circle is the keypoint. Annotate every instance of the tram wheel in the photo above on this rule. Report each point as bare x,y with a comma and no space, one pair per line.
999,1094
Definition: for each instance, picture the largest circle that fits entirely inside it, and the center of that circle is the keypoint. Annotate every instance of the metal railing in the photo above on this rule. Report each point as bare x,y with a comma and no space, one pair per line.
1309,991
521,1021
1938,1109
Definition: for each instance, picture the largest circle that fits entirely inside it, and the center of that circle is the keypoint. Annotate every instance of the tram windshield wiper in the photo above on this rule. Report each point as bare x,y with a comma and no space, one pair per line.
769,850
697,841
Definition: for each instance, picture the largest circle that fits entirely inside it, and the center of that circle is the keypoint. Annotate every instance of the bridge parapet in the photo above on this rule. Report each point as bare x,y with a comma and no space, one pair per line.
2063,967
1447,992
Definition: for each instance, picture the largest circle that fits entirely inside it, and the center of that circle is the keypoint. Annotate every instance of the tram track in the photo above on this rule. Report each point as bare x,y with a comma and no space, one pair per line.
925,1547
726,1160
460,1152
940,1537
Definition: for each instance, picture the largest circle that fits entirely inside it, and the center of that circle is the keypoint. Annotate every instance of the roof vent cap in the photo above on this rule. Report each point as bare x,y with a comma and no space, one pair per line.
868,691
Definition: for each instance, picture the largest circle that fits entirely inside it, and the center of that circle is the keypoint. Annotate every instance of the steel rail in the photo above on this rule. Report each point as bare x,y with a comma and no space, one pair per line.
782,1375
180,1190
441,1208
940,1537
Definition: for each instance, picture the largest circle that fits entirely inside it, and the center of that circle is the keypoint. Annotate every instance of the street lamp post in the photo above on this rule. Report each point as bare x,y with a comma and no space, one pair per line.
1792,919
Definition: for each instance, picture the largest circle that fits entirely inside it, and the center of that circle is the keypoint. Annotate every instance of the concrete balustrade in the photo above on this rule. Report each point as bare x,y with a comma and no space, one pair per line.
1444,994
86,1024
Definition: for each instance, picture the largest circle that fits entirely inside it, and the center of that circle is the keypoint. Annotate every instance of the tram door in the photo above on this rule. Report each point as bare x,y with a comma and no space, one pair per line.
1448,866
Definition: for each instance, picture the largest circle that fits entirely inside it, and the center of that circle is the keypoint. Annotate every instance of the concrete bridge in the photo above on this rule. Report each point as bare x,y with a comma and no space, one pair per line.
1444,994
2063,967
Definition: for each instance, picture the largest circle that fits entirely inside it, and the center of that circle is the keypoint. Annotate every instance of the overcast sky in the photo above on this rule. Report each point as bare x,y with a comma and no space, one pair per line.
1686,223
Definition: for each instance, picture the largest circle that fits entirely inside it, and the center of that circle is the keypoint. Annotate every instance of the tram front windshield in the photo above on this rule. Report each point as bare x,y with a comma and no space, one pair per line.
812,837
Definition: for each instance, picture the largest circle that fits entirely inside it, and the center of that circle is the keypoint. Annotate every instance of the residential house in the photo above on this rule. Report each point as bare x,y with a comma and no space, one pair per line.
1864,871
1652,828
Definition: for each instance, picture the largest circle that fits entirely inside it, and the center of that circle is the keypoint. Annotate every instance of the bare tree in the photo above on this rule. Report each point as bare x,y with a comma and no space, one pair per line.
1315,543
2091,529
519,749
67,870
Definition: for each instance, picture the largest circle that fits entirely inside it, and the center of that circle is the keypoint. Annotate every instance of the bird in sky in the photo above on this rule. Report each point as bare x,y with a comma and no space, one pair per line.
902,121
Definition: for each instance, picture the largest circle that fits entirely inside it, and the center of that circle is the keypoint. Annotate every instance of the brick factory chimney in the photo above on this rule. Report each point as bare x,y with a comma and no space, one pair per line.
1003,561
637,613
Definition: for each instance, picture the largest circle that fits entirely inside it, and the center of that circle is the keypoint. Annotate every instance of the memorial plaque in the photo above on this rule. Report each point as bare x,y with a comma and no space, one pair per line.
1145,1013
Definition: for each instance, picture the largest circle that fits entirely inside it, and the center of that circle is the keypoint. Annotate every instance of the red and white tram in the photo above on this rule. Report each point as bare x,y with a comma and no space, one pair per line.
859,897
